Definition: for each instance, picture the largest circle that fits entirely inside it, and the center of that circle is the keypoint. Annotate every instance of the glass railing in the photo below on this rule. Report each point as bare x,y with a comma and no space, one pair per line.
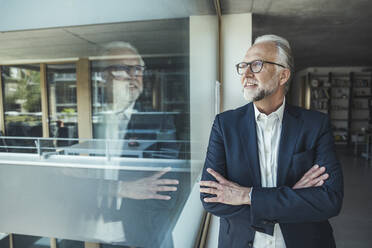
88,190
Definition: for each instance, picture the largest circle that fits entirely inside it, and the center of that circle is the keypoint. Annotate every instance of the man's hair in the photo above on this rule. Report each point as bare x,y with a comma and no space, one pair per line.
120,45
284,55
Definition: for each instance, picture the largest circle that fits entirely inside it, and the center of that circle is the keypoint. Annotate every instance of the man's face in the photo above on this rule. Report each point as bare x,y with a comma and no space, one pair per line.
256,86
127,81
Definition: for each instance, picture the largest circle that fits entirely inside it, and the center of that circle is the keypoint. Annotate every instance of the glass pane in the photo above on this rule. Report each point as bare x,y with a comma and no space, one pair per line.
118,188
62,103
22,105
141,110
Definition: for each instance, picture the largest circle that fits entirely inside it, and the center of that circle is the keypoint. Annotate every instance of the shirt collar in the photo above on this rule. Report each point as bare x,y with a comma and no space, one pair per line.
279,112
127,112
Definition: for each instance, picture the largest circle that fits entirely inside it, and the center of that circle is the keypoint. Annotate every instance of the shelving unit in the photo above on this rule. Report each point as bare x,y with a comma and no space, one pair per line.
347,99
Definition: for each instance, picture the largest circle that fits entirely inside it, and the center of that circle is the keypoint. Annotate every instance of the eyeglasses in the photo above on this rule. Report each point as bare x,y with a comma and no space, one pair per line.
125,71
255,66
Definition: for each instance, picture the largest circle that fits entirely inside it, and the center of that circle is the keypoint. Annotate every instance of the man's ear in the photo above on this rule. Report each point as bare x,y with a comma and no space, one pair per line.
284,76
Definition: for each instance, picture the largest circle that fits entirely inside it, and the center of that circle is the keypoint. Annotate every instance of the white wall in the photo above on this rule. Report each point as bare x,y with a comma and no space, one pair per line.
236,38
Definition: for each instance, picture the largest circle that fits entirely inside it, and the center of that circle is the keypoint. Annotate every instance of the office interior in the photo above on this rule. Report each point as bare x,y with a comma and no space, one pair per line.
58,174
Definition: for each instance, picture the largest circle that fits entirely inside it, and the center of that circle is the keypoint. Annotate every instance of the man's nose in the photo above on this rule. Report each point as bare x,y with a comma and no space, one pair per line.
248,72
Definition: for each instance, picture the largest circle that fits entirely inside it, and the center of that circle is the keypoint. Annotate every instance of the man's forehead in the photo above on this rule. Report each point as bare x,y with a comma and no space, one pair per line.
122,56
264,50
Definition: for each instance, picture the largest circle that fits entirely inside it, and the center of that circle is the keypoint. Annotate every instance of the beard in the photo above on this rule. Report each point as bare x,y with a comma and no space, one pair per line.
261,91
125,93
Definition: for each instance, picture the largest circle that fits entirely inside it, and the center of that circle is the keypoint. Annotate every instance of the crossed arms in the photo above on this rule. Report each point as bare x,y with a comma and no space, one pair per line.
317,196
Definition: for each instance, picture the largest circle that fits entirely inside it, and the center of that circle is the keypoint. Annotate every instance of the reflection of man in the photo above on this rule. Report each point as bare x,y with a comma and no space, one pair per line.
123,74
127,129
259,174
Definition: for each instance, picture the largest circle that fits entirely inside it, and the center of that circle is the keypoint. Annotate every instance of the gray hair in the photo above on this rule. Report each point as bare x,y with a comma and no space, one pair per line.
284,55
120,45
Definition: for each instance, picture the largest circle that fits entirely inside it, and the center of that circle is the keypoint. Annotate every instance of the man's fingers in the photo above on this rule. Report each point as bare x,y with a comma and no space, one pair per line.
165,188
161,197
320,183
307,182
317,173
167,182
312,169
211,199
216,175
211,184
318,179
209,191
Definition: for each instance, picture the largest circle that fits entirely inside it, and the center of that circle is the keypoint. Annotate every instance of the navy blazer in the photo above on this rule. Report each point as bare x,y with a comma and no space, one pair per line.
306,139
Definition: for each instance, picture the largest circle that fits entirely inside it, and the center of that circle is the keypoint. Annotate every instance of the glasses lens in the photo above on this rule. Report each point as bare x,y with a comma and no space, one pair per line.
125,71
256,66
138,70
241,67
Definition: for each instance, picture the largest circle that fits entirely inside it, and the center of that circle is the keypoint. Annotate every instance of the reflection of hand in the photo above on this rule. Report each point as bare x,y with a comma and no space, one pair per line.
226,192
312,178
148,187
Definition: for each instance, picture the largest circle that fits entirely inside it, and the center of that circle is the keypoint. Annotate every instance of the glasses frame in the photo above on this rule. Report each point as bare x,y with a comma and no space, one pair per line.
250,68
127,68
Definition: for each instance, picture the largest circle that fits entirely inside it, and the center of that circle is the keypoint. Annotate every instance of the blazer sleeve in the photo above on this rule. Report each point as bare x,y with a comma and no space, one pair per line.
216,160
286,205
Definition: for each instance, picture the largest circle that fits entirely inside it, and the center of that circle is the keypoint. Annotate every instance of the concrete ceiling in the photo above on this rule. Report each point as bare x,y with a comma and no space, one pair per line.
85,41
321,32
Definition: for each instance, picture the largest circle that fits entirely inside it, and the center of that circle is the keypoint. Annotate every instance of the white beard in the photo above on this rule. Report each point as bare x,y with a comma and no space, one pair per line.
123,96
261,91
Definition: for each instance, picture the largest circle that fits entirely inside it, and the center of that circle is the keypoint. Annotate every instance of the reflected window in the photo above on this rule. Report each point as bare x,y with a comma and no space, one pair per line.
62,102
22,104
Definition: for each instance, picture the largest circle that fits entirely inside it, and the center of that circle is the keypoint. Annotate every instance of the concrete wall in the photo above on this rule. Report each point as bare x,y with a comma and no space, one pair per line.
236,38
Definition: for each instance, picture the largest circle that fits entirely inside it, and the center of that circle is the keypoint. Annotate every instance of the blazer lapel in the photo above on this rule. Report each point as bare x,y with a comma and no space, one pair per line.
248,137
291,127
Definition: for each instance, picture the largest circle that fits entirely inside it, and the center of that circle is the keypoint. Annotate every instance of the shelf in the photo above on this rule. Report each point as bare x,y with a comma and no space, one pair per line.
335,119
359,119
340,87
340,142
340,131
360,108
370,96
339,98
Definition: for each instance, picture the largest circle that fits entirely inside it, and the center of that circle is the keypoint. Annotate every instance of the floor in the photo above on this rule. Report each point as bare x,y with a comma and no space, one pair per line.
353,227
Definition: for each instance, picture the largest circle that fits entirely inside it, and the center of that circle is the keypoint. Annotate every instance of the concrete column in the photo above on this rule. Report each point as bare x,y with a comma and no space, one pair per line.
236,38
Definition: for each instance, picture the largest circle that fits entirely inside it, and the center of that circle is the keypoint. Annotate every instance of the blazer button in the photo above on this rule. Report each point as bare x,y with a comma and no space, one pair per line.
250,244
265,222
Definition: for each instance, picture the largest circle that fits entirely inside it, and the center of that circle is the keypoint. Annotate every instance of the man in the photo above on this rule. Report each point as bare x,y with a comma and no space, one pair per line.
271,172
143,202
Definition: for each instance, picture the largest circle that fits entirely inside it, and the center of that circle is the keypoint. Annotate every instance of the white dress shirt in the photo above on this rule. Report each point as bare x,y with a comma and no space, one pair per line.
268,129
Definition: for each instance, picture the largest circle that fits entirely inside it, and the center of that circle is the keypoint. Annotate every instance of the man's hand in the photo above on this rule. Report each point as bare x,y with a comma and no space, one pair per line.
312,178
226,192
148,187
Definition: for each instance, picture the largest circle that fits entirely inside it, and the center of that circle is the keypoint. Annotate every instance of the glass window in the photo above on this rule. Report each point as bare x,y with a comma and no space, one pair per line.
22,105
62,103
131,182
